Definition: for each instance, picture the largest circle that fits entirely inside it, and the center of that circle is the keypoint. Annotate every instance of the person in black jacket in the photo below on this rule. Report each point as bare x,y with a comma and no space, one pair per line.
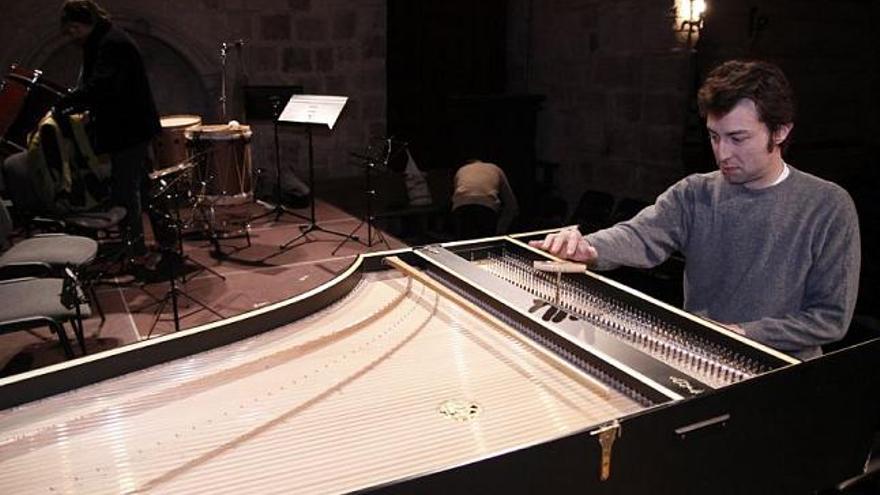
114,88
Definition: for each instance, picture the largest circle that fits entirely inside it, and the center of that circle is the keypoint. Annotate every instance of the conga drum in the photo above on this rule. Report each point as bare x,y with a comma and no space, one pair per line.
170,146
223,155
25,97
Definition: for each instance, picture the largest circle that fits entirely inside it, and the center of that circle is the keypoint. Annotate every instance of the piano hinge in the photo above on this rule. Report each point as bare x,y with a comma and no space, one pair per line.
607,435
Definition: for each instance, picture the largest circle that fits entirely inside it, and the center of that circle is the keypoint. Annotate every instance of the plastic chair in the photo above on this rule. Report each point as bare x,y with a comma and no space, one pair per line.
47,255
30,303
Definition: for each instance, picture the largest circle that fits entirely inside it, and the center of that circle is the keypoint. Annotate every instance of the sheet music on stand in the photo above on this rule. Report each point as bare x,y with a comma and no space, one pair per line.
313,109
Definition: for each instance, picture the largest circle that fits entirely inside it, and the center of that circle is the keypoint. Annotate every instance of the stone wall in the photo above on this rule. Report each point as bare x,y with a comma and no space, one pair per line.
620,114
616,81
829,51
327,46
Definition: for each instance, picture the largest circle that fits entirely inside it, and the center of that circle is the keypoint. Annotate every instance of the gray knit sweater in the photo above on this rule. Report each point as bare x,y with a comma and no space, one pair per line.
782,262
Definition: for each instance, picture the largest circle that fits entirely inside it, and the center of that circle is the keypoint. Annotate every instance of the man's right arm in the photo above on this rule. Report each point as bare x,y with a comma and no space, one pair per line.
644,241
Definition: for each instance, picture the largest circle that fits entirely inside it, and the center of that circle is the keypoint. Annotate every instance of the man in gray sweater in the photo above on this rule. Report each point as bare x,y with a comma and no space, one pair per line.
771,252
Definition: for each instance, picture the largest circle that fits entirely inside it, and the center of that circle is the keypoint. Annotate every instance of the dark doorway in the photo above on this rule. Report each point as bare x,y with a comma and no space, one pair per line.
447,90
438,51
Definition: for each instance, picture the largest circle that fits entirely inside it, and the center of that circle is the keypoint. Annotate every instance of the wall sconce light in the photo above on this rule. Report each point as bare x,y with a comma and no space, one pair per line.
690,19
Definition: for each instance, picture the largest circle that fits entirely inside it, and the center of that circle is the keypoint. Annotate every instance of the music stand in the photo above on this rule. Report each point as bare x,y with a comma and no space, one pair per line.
310,110
264,103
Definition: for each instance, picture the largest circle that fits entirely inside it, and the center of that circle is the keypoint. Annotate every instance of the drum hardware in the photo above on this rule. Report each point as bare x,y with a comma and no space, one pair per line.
223,172
185,194
25,97
174,169
312,226
171,145
168,198
278,209
211,229
197,217
369,164
225,158
201,209
166,201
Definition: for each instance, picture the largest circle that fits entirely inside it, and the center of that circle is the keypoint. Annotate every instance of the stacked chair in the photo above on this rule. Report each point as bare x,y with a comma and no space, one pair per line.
40,286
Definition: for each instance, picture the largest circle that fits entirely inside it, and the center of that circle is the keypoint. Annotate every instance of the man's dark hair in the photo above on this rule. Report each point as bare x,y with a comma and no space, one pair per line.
83,11
762,82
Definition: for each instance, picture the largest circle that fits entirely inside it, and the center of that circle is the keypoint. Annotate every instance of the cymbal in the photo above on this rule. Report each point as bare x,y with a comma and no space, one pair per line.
180,167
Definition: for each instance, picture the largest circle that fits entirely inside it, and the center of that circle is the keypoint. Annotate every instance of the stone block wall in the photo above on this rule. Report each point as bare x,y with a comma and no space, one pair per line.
616,81
619,84
327,47
829,51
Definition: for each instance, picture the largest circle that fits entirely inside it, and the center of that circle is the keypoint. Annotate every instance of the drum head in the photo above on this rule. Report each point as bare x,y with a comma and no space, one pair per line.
180,121
170,145
218,132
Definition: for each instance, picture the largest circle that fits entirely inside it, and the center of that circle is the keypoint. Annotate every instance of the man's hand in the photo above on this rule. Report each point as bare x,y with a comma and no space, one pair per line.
735,328
567,244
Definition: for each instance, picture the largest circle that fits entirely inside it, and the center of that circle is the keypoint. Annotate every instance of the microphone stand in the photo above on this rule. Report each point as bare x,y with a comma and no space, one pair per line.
223,50
312,226
369,192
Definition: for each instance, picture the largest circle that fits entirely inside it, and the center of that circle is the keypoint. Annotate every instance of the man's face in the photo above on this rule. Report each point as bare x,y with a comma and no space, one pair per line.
740,141
77,31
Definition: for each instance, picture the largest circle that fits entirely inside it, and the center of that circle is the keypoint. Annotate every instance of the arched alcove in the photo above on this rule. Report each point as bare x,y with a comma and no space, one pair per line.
183,79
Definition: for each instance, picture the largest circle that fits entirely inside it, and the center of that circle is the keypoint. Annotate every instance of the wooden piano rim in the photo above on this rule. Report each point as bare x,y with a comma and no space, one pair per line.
89,369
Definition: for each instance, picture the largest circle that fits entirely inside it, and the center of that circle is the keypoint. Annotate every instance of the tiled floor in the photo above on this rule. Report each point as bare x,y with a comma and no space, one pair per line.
254,275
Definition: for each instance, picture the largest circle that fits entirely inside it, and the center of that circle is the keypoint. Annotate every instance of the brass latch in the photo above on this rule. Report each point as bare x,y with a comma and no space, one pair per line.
607,435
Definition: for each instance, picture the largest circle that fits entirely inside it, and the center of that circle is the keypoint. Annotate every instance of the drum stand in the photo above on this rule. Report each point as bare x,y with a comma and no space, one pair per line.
172,202
204,214
202,210
369,218
174,294
278,209
313,224
175,255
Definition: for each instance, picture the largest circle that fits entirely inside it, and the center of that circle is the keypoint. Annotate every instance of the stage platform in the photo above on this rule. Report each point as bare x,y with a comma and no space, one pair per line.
255,275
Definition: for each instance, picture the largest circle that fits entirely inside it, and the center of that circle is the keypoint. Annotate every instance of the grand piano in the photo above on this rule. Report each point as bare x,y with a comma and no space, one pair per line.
457,366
